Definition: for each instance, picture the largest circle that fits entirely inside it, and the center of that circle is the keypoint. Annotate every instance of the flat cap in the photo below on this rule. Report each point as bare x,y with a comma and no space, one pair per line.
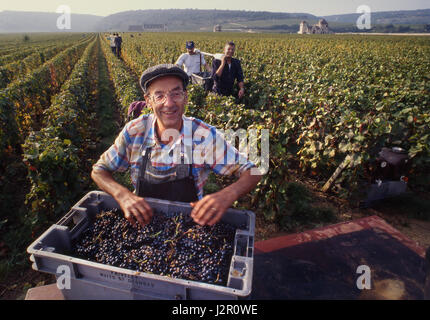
162,70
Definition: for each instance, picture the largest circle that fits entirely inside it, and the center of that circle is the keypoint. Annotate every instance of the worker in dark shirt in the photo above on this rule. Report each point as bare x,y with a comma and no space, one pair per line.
118,43
226,71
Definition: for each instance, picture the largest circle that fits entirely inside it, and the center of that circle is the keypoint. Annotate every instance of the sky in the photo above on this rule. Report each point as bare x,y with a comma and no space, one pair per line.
315,7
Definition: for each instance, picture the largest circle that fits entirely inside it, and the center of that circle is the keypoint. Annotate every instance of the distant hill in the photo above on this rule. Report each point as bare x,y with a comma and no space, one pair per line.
260,21
204,20
23,21
191,19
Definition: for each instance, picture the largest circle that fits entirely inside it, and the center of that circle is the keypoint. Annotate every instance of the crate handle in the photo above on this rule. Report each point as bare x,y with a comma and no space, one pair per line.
64,221
74,227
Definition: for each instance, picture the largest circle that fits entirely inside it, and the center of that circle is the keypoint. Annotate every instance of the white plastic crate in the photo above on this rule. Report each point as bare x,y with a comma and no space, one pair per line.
92,280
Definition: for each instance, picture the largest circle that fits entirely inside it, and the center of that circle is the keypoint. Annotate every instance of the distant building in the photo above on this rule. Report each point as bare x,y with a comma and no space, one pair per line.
148,27
155,27
217,28
135,28
320,28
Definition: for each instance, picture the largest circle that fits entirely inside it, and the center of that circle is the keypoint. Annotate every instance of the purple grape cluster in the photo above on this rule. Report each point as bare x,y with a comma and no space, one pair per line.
173,246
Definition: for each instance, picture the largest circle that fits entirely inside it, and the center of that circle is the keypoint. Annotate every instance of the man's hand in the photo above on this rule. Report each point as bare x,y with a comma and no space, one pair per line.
212,207
241,92
221,66
135,208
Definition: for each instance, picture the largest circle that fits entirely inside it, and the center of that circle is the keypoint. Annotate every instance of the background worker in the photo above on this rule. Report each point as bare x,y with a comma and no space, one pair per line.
118,43
112,43
226,71
192,60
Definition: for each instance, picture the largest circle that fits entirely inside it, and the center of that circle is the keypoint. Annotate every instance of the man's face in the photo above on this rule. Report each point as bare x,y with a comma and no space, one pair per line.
169,113
190,51
229,50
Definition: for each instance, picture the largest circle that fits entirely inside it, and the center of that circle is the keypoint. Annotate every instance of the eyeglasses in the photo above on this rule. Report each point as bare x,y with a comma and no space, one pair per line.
161,97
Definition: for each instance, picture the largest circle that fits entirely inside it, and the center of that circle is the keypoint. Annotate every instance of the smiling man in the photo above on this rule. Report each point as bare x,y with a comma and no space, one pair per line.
226,71
147,144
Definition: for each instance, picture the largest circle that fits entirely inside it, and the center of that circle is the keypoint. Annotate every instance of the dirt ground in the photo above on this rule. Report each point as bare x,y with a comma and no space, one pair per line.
398,217
16,285
414,229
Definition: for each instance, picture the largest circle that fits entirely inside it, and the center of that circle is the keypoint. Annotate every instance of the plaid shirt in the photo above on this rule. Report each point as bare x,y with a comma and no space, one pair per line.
199,143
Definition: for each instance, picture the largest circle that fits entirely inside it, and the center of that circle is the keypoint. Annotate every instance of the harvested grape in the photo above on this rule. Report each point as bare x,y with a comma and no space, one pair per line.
173,246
